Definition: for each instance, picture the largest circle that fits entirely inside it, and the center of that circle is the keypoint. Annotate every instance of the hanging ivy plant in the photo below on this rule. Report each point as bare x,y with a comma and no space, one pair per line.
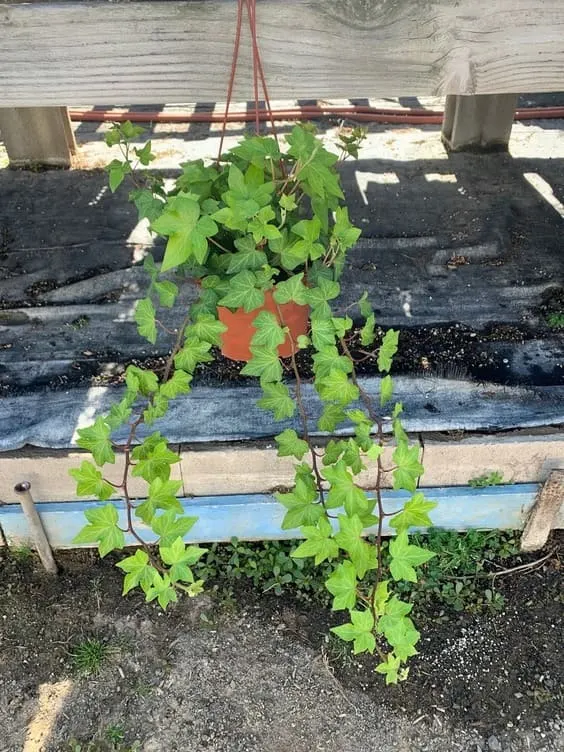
264,220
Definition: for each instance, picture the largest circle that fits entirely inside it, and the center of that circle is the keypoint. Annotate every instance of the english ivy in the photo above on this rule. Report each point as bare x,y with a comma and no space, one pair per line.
263,220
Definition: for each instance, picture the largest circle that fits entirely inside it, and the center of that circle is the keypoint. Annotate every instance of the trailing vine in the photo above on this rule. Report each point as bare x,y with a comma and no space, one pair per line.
264,220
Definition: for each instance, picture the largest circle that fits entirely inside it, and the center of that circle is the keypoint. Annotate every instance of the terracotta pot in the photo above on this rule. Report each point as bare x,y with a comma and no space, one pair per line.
236,341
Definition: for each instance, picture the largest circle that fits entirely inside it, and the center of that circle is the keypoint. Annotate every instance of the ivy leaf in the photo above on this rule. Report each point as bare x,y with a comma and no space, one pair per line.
260,227
364,306
288,202
300,506
207,329
117,171
139,571
145,319
344,233
167,292
248,257
139,380
291,289
359,631
328,359
303,341
319,543
343,492
162,495
277,399
342,325
322,333
333,451
390,668
336,387
156,409
265,364
179,558
386,390
405,556
148,207
342,586
330,418
308,247
194,351
326,290
178,384
415,513
156,465
90,482
168,526
96,440
269,333
290,445
259,151
144,154
242,293
367,335
388,349
362,554
187,233
408,468
102,529
161,589
119,413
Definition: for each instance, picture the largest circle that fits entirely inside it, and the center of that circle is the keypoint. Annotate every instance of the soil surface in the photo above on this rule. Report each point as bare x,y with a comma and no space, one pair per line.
257,674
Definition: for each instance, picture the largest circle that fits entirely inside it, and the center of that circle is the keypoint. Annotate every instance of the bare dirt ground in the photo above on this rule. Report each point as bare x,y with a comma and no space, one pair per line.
256,674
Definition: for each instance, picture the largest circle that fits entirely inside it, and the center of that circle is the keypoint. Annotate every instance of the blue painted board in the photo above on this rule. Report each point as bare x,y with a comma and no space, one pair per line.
259,516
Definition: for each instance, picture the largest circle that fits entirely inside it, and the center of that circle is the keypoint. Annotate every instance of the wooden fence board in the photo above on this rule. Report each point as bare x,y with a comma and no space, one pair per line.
120,53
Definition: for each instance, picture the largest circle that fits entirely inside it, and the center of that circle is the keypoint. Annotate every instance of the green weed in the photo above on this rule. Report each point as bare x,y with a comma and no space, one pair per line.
495,478
555,320
89,656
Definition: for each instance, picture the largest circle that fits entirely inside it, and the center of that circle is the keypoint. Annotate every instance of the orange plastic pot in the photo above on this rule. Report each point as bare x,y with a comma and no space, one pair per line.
236,341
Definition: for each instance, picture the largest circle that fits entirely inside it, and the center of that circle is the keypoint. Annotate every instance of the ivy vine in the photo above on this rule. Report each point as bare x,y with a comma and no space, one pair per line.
261,219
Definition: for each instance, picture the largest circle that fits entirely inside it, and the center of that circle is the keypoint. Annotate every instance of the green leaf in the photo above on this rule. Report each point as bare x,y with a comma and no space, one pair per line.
343,492
206,328
303,341
162,590
388,349
187,232
117,171
162,495
390,668
269,333
415,513
408,468
362,554
342,325
290,445
144,155
288,202
140,380
265,364
103,529
326,290
386,390
322,333
342,586
170,527
156,409
194,351
167,292
404,557
178,384
333,451
319,543
258,150
248,257
330,418
179,558
336,387
344,233
145,319
156,464
90,482
359,631
260,227
96,440
277,399
300,505
292,289
327,359
367,335
148,207
139,571
119,413
243,293
364,306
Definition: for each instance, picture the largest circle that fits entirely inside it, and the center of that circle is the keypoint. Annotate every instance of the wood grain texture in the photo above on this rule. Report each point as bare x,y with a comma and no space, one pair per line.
120,53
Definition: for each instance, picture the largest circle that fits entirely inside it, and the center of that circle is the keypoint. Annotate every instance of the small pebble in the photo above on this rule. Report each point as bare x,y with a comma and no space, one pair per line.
494,744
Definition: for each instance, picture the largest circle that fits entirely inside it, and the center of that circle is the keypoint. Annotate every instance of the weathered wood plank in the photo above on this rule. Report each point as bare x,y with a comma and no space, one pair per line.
60,53
479,123
37,135
259,516
544,515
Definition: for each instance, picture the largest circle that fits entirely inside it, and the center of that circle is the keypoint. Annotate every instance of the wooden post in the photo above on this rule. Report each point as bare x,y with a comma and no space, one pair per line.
37,136
478,123
541,520
40,540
